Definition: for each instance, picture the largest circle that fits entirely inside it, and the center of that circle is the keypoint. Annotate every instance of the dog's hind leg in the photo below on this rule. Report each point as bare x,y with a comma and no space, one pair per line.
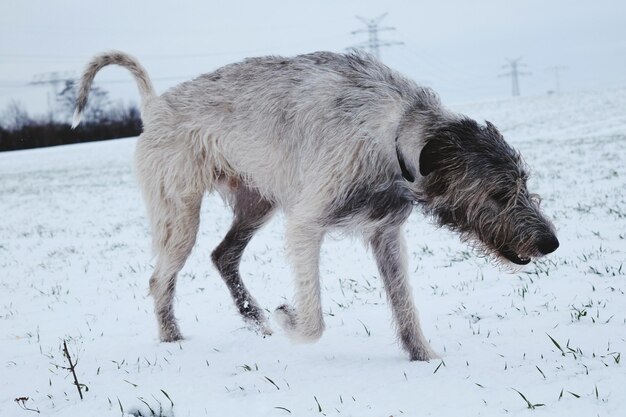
305,322
175,226
390,253
172,189
251,211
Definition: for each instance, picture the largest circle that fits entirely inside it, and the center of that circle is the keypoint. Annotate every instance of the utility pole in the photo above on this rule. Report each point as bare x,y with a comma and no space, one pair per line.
557,76
372,28
515,73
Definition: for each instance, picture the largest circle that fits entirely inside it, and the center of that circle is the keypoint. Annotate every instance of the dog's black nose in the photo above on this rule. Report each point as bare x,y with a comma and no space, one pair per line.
548,244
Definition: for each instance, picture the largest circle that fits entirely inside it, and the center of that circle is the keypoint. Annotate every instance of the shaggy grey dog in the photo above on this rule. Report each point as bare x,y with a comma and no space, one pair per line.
335,141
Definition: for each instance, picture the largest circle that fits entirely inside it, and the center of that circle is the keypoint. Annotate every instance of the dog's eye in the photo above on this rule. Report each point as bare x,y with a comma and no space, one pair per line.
500,196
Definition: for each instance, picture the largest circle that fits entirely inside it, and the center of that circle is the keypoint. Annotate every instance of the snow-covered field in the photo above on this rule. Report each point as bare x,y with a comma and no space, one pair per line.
75,261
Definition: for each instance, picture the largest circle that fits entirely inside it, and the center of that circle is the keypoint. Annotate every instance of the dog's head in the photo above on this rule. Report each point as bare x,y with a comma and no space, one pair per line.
474,183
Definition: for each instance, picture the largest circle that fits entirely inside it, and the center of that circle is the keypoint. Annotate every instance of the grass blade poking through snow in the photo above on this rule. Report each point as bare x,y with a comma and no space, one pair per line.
439,366
152,413
168,397
528,403
319,407
557,345
367,331
272,382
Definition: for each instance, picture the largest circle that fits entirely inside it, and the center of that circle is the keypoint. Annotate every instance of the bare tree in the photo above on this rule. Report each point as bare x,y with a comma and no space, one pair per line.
15,116
105,120
95,112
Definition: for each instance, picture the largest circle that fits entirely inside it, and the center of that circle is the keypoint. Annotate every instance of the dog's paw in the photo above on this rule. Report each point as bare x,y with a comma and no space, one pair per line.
423,355
421,351
307,329
285,316
170,335
260,327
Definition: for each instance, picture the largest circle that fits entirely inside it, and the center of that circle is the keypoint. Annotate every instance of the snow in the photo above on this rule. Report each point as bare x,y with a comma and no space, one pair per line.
75,261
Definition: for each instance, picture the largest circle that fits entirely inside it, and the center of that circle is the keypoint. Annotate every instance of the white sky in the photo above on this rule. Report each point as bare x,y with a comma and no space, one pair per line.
457,47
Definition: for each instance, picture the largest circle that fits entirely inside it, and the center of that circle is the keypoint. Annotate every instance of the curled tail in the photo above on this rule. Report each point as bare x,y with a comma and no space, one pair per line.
146,90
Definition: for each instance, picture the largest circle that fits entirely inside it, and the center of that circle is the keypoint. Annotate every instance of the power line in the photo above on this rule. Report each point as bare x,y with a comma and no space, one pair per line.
23,84
15,57
515,73
372,28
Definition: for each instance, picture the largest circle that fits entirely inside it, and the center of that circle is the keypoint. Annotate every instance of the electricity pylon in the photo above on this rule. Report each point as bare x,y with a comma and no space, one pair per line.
515,73
373,44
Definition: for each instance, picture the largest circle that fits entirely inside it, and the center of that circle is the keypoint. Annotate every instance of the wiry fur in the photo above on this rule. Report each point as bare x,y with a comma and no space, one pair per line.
146,90
478,189
336,142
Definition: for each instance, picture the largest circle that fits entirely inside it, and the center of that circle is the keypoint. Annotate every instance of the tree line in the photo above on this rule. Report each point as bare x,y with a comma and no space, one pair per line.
101,120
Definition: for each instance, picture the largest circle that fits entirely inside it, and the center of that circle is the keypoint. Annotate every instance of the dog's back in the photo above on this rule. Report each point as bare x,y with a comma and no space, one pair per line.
273,119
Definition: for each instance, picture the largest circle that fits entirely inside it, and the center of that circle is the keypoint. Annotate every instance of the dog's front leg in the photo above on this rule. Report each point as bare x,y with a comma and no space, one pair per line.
390,253
304,321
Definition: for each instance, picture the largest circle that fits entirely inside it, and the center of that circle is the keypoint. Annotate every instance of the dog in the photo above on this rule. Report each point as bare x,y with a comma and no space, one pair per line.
336,142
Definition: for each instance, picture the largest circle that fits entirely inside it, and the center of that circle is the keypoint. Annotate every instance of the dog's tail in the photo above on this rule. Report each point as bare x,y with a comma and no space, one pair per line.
146,90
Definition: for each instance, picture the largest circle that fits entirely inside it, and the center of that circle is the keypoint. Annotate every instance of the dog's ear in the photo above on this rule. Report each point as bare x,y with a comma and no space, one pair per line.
430,157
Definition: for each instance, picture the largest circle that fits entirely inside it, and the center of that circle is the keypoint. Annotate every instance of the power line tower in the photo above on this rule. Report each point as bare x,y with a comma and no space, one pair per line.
557,76
54,79
515,73
372,28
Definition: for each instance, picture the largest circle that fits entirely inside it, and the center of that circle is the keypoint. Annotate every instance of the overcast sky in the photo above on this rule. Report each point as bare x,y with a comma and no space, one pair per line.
457,47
